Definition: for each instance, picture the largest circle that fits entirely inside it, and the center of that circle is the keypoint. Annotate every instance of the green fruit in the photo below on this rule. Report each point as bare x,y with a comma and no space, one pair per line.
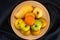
24,27
37,25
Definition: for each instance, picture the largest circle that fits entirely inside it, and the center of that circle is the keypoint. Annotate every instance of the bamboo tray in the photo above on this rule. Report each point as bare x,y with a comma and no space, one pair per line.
45,15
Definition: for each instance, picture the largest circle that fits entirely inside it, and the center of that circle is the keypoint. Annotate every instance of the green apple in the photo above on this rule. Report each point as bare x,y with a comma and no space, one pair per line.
24,27
37,25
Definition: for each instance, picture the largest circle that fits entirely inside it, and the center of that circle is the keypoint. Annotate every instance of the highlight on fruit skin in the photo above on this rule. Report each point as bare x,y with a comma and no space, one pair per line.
35,33
26,33
38,12
44,22
23,10
29,20
17,23
24,27
37,25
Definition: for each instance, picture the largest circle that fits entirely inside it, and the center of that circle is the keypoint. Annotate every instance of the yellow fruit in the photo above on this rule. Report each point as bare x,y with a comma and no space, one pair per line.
38,12
35,33
26,33
30,14
44,22
17,23
23,10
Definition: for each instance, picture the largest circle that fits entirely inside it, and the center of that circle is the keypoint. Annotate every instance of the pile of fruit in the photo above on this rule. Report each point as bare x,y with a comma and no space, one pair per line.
29,20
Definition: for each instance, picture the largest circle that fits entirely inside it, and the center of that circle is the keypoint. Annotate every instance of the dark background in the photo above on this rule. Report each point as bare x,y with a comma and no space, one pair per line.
6,7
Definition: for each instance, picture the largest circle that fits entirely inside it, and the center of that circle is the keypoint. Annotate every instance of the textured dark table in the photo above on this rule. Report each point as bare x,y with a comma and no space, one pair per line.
6,7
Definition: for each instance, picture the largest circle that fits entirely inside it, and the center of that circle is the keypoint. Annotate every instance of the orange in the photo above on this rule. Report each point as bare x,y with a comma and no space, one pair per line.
35,33
29,20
